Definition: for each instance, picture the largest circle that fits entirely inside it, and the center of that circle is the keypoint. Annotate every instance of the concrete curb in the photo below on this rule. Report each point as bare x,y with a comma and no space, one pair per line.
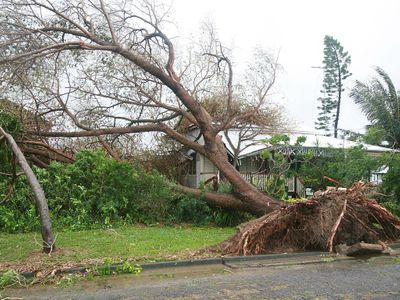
225,260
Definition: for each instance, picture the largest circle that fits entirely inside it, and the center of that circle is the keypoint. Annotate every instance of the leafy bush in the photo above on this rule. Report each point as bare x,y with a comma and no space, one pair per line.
391,183
190,209
18,214
92,191
105,190
99,191
346,166
11,124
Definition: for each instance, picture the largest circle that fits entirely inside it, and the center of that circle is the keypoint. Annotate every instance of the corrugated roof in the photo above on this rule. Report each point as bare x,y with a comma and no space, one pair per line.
313,140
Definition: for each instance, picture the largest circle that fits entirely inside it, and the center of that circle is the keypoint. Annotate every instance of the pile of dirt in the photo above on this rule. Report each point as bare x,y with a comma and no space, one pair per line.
336,216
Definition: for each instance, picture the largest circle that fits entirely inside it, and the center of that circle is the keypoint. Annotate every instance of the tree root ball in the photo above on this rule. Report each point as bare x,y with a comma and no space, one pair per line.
336,216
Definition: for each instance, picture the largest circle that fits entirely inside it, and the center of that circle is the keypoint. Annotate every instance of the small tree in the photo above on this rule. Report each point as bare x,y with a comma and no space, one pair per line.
335,65
282,162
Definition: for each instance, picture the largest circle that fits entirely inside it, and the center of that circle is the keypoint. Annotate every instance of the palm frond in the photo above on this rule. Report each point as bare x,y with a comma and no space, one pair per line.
380,102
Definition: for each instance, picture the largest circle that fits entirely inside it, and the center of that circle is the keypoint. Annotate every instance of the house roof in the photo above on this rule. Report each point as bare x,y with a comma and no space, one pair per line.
313,140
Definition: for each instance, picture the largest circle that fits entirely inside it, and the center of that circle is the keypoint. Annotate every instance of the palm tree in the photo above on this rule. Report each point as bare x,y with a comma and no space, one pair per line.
380,102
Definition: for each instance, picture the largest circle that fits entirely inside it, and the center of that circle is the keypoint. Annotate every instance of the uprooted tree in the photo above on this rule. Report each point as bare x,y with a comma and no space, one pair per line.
104,70
110,69
327,219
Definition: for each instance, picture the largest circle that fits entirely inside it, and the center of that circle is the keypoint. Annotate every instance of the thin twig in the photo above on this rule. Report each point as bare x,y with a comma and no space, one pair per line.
335,227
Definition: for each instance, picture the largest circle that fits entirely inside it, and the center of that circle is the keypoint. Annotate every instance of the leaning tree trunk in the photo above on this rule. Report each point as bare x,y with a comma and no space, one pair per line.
41,202
254,200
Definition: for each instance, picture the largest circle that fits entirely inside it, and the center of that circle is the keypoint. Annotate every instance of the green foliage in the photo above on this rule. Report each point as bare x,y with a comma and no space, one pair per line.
68,280
344,165
105,269
276,187
18,214
10,278
335,65
375,135
380,101
128,268
391,183
281,163
296,200
93,191
10,123
96,188
190,209
96,191
277,140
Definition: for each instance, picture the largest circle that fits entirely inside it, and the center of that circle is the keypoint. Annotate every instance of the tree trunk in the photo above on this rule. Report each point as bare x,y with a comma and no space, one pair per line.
336,124
254,200
41,202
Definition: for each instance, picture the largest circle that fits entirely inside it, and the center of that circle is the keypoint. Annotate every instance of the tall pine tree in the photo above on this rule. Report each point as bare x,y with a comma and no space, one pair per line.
335,65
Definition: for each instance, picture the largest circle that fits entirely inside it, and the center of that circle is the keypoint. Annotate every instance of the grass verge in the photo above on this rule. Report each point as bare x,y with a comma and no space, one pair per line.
22,252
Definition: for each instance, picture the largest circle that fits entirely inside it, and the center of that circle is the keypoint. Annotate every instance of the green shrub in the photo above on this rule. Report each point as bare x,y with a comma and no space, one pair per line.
229,217
97,191
190,209
391,183
18,213
92,191
346,166
11,124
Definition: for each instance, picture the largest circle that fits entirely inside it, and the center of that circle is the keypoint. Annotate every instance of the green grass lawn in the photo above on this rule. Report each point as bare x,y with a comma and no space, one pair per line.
133,243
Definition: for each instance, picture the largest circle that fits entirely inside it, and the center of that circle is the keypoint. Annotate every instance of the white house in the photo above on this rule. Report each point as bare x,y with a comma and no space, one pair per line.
250,163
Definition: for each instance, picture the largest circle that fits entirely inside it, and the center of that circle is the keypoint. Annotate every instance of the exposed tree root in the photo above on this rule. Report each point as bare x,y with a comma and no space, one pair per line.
325,220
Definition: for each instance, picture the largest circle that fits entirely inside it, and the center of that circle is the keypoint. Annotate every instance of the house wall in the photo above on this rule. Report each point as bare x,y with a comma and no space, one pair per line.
207,169
250,164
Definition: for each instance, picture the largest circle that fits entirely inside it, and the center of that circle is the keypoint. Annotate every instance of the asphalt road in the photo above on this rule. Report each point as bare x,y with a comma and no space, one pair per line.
375,278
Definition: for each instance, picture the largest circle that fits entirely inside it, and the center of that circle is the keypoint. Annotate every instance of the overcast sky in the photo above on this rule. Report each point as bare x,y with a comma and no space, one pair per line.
368,30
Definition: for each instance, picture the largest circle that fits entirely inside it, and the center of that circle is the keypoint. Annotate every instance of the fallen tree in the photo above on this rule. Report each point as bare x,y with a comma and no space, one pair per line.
115,68
336,216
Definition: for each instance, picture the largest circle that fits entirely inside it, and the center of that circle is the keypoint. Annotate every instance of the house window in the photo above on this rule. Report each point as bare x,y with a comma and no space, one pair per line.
192,164
376,178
